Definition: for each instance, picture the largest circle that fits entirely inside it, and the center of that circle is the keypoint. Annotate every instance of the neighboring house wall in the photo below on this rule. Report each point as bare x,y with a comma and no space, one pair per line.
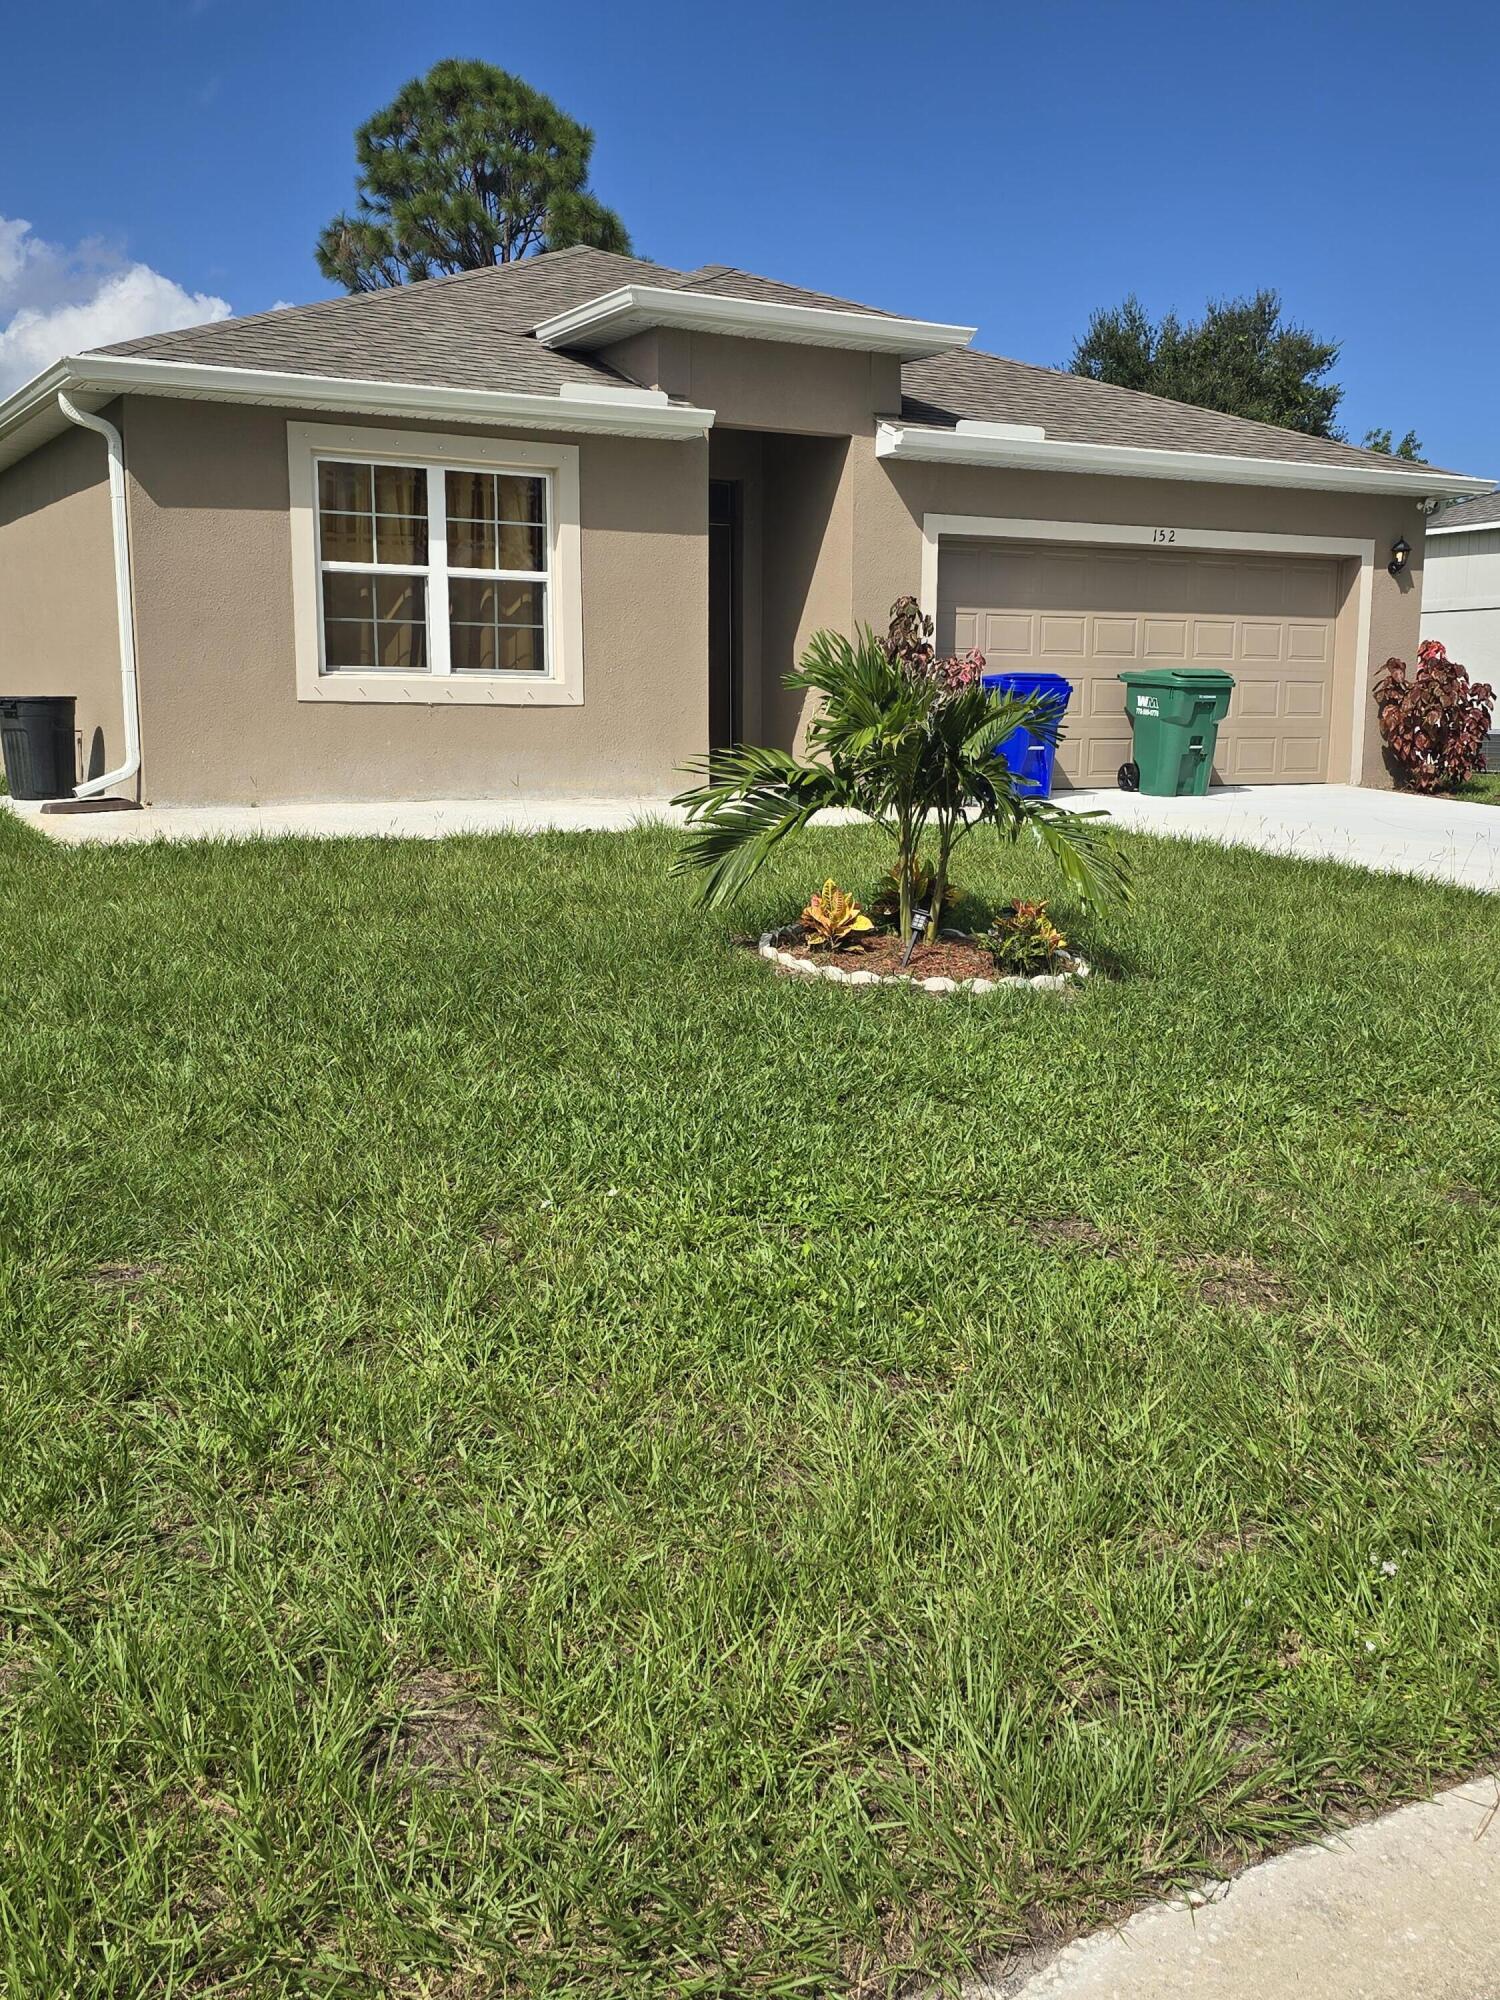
58,630
211,545
1461,599
891,499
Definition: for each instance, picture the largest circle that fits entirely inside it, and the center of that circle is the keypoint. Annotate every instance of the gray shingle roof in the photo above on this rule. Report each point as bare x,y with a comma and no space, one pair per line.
728,283
1079,411
468,331
474,331
1483,512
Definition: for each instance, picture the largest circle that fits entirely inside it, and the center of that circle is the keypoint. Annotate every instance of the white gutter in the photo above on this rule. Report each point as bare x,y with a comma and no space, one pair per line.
635,308
1007,446
1468,528
632,416
129,706
30,416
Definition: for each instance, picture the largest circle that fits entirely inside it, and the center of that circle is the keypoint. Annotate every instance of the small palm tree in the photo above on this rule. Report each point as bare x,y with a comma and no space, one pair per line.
909,743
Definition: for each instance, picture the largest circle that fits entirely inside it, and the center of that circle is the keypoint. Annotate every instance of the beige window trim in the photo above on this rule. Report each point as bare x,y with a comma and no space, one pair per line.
561,686
936,528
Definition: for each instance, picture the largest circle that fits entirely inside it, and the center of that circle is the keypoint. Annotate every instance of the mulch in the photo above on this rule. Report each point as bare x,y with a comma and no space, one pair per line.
943,958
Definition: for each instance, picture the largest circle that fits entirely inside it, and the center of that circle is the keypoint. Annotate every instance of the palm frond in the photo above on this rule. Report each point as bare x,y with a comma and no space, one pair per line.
753,800
1083,847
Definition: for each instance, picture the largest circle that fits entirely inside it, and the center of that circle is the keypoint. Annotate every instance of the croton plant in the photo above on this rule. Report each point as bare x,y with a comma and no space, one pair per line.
1435,720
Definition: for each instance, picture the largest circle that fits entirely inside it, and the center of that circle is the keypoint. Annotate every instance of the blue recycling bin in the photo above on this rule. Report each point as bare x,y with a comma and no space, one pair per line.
1030,753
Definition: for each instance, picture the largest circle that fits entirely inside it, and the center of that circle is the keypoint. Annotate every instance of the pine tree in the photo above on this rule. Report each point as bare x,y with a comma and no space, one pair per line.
467,167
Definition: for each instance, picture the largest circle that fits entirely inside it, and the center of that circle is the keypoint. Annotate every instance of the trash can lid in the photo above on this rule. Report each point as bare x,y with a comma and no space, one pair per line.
1022,678
1201,677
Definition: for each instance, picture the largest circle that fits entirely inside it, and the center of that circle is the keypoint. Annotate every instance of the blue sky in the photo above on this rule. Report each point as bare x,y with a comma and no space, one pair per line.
1009,165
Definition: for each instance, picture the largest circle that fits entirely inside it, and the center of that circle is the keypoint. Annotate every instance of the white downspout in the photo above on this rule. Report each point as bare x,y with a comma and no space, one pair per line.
131,712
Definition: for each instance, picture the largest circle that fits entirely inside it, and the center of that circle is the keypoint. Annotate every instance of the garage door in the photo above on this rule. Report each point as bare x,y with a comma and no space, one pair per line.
1087,613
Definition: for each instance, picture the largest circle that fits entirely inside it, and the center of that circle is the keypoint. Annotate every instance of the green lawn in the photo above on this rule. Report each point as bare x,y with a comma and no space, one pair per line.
539,1458
1483,789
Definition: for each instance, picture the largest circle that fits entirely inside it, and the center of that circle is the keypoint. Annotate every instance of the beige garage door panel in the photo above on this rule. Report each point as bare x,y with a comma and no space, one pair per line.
1088,613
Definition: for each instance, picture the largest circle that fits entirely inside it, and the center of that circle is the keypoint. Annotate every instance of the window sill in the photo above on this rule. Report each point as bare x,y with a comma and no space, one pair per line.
439,691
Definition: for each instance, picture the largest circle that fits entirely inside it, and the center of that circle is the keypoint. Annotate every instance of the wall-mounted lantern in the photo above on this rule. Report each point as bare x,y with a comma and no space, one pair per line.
1400,556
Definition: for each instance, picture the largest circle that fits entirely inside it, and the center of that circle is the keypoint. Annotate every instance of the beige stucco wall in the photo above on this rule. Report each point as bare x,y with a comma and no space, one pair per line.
809,567
764,384
890,499
58,632
211,552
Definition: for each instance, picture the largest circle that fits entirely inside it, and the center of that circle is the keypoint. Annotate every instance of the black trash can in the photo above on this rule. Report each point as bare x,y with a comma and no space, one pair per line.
36,736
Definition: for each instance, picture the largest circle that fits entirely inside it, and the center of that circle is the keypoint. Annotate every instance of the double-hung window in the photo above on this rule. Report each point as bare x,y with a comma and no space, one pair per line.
434,569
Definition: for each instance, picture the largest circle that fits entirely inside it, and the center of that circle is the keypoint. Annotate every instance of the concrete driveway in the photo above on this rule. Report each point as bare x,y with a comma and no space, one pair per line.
1393,831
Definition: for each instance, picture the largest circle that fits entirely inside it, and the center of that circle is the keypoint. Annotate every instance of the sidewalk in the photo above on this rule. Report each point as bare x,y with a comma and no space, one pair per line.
1406,1907
1442,839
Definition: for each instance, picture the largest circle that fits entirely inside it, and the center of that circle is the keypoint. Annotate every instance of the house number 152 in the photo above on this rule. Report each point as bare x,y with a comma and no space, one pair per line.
1163,534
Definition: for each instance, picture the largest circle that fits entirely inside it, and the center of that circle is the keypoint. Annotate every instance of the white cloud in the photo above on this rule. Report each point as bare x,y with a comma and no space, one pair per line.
57,300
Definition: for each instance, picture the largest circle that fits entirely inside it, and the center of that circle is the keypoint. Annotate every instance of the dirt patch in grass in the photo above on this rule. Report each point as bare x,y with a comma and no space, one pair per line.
444,1732
1051,1232
1464,1196
1208,1552
1240,1281
499,1239
126,1277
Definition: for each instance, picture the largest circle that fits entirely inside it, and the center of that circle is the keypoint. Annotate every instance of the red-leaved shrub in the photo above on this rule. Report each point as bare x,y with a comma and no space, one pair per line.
1434,721
909,645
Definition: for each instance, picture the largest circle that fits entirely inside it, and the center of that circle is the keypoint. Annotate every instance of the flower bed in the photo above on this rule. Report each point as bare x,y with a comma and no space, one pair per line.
954,963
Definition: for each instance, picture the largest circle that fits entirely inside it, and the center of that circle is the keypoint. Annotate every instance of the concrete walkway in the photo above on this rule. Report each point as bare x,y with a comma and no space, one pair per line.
1396,832
396,819
1404,1908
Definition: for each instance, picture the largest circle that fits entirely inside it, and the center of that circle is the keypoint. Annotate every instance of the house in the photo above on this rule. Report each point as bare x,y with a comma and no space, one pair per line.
556,527
1461,588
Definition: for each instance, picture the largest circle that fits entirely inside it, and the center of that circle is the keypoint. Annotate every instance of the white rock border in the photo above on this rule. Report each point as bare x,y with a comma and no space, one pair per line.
1074,970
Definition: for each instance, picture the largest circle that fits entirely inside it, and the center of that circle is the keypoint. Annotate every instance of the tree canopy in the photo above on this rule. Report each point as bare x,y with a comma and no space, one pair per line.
1409,447
467,167
1242,358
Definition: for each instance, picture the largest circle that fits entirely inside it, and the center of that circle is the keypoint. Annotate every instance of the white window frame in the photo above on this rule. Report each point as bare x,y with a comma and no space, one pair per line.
437,687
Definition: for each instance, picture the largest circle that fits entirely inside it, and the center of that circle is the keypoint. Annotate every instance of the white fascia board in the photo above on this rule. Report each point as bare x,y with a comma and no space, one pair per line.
1468,528
943,447
637,308
30,412
30,416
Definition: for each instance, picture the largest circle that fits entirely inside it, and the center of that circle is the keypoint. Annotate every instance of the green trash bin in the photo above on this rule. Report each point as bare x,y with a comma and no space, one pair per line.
1175,714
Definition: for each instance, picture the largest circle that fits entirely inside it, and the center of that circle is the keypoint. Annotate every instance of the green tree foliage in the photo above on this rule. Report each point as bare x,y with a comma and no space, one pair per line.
1410,447
1242,358
468,167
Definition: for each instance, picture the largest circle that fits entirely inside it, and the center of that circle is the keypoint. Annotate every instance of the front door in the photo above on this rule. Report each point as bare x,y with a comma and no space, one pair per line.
725,718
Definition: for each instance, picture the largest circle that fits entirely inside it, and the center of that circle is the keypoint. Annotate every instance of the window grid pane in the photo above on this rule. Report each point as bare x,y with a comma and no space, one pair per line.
376,614
497,627
496,521
375,624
